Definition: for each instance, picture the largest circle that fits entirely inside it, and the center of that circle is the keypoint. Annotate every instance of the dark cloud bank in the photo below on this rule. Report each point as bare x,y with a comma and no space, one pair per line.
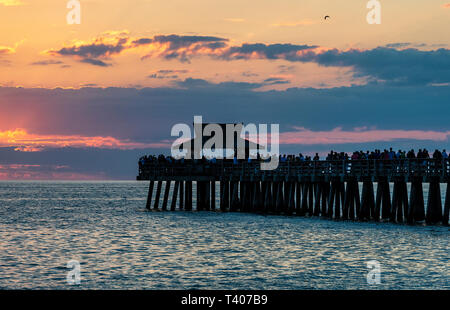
147,115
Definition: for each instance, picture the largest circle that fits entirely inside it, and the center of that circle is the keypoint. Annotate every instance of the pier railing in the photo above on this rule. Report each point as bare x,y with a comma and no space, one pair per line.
297,169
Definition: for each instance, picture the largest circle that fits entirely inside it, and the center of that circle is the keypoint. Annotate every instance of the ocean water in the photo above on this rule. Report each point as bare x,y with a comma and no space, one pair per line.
120,245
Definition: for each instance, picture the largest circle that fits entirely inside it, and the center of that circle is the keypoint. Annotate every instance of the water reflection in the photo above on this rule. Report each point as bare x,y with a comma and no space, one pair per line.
103,226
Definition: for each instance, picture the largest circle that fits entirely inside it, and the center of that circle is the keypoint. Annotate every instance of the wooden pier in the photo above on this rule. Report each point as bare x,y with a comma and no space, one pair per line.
329,189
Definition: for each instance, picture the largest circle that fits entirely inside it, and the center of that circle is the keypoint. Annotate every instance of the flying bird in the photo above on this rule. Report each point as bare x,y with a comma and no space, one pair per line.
326,17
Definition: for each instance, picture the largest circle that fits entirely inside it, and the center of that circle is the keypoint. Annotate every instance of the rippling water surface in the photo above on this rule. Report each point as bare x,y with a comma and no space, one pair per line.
105,227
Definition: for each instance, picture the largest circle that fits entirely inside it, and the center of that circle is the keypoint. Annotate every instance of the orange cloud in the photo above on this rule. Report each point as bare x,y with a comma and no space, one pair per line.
446,6
24,141
7,50
11,2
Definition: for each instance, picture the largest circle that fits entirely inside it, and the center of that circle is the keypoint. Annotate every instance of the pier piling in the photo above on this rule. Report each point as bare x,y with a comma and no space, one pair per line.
158,195
268,198
188,196
182,184
174,196
434,206
213,195
325,191
317,188
225,195
447,206
166,195
149,196
298,198
317,194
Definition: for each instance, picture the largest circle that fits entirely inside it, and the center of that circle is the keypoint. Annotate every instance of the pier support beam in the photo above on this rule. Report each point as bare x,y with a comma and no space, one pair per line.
246,197
166,195
207,192
241,196
317,196
342,193
286,195
298,198
383,202
251,196
311,199
378,198
331,198
158,195
337,200
358,199
325,192
280,198
273,200
197,192
221,195
245,200
405,199
348,197
447,206
305,195
434,206
149,195
202,195
268,197
213,195
235,196
188,196
257,199
399,201
354,190
346,204
182,195
263,195
416,211
291,199
367,208
224,195
174,196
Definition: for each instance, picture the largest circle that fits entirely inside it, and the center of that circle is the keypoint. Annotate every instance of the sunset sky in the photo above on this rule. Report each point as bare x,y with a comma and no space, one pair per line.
85,101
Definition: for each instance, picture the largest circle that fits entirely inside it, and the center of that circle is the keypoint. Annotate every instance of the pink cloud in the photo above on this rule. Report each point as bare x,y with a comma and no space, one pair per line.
360,135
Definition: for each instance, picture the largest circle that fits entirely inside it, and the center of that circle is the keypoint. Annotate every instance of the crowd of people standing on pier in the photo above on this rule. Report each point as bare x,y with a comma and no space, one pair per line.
357,155
389,155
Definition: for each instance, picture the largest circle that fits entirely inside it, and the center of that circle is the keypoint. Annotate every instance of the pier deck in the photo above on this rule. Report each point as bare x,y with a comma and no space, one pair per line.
312,188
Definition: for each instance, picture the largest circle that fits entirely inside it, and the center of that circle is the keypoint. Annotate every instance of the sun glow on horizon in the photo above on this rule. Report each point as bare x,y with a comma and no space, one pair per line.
26,142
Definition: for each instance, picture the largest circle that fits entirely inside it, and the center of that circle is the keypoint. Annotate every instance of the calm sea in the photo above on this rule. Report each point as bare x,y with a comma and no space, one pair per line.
119,245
